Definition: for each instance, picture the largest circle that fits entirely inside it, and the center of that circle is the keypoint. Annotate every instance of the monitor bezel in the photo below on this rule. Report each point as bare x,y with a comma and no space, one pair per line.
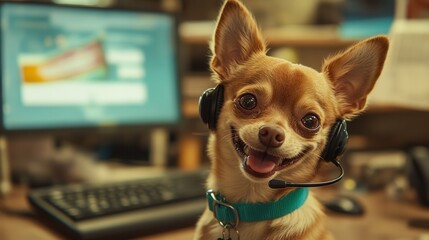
102,129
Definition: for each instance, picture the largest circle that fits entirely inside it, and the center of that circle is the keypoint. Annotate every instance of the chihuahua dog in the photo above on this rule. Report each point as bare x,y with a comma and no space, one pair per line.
272,119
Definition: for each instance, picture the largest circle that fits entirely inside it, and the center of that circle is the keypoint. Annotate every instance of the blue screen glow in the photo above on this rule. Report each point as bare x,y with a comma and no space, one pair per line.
67,67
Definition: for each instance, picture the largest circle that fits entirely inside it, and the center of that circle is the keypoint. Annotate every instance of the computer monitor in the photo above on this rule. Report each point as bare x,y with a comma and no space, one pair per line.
66,67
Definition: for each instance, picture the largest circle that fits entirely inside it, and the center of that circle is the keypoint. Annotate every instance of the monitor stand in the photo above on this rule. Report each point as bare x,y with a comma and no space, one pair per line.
5,180
159,147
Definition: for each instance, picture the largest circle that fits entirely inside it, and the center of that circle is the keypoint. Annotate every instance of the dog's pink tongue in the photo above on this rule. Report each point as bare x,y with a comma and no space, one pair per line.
261,162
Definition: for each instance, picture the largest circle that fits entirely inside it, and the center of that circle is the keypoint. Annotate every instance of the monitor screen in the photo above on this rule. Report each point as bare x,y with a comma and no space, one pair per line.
70,67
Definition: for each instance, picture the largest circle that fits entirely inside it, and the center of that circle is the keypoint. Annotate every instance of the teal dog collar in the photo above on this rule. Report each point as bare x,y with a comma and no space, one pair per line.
234,213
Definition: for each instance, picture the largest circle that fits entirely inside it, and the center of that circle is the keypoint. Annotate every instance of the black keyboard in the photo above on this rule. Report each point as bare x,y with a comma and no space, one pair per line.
121,210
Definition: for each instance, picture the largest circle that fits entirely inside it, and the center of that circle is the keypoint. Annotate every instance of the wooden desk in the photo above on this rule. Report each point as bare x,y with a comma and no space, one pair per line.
384,220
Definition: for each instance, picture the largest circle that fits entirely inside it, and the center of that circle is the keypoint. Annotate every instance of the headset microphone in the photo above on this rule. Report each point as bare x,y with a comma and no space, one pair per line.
284,184
336,145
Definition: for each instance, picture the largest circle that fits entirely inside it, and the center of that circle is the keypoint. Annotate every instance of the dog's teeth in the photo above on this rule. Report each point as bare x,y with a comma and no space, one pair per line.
246,150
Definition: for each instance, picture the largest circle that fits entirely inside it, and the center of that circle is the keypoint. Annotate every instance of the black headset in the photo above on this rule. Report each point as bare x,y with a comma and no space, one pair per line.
210,105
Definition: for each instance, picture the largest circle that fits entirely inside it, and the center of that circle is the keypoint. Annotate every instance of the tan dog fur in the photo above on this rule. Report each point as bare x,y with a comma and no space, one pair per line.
285,92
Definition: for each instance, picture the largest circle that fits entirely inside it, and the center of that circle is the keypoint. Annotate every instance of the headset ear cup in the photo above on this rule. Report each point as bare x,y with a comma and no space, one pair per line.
210,104
204,105
216,106
337,141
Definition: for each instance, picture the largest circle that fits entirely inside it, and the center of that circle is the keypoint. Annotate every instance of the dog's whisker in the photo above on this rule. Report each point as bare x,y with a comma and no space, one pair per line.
225,135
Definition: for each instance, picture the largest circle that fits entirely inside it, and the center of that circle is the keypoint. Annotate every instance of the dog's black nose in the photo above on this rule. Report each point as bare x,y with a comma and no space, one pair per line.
271,136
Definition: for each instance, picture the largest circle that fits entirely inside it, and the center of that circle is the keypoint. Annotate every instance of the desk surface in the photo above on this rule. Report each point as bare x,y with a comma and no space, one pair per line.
384,220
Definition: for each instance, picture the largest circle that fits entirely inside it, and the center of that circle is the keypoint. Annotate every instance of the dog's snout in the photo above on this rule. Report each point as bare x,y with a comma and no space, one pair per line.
271,136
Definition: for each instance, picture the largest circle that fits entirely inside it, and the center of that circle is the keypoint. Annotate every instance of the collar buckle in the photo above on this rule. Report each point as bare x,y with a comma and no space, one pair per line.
216,206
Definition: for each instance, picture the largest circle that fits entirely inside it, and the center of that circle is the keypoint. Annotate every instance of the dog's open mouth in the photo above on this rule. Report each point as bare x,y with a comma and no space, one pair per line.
261,164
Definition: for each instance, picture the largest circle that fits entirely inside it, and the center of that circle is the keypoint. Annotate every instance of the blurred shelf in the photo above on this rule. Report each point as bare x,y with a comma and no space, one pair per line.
190,108
195,84
200,32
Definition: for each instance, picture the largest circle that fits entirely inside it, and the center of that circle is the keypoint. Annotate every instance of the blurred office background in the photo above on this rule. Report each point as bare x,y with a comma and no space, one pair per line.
383,141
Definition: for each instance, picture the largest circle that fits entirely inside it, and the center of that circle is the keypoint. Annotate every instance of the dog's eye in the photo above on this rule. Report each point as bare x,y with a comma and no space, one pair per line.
311,121
247,101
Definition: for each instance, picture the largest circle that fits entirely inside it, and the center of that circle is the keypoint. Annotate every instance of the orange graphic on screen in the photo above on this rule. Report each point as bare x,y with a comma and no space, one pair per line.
66,65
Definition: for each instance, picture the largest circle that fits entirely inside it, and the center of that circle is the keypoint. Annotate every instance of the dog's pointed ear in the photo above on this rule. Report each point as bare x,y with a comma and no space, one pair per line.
354,73
236,38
